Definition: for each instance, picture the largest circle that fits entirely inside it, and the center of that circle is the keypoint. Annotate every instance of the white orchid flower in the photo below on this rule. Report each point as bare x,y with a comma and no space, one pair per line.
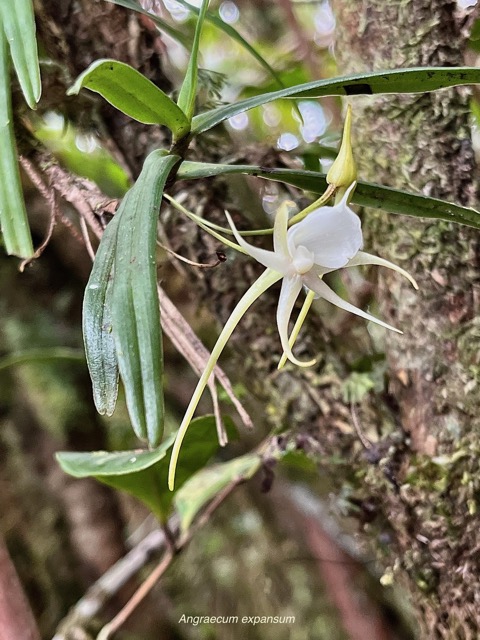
329,238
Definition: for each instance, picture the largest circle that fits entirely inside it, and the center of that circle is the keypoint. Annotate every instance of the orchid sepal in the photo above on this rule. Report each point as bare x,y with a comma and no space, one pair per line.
363,258
317,285
264,282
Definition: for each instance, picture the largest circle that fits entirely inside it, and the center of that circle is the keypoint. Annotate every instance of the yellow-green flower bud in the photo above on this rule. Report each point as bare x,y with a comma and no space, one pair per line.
344,170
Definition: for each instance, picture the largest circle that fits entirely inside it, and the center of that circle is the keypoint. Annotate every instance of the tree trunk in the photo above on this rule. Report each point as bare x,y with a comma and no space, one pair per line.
423,143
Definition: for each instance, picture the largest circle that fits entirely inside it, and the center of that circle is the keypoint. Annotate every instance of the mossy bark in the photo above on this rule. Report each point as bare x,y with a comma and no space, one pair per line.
423,143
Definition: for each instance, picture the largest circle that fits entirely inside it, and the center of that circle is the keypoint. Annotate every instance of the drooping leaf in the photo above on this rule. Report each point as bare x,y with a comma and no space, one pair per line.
13,216
133,94
134,305
99,343
188,90
19,25
144,473
207,483
415,80
366,194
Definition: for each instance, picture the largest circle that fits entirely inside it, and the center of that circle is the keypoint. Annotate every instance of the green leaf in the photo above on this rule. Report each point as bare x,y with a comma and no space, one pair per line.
133,94
13,216
161,24
143,474
416,80
97,324
19,25
130,471
207,483
188,91
366,194
134,306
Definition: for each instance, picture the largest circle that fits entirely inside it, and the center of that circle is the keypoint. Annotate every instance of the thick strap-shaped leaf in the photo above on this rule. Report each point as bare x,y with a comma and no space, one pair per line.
13,217
416,80
97,324
188,90
133,94
19,25
366,193
135,308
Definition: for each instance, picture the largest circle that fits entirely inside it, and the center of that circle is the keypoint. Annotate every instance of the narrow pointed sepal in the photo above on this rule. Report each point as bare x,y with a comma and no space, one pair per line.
269,259
266,280
315,284
363,258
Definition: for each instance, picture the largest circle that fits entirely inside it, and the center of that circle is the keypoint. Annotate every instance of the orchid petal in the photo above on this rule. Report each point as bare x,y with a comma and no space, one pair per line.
269,259
260,285
307,303
324,291
366,258
332,234
291,287
280,245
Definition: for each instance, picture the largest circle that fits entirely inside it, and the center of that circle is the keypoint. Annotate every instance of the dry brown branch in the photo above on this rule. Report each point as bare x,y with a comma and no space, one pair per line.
109,585
111,582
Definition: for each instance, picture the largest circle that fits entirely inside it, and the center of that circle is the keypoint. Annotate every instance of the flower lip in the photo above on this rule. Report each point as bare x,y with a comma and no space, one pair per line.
332,234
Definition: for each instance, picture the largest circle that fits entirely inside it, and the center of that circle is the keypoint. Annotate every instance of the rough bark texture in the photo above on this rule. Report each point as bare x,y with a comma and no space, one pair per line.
423,142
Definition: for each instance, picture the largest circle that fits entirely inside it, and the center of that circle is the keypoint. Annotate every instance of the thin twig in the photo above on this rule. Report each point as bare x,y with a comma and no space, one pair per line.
86,237
358,427
83,194
112,581
221,432
200,265
50,197
140,594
